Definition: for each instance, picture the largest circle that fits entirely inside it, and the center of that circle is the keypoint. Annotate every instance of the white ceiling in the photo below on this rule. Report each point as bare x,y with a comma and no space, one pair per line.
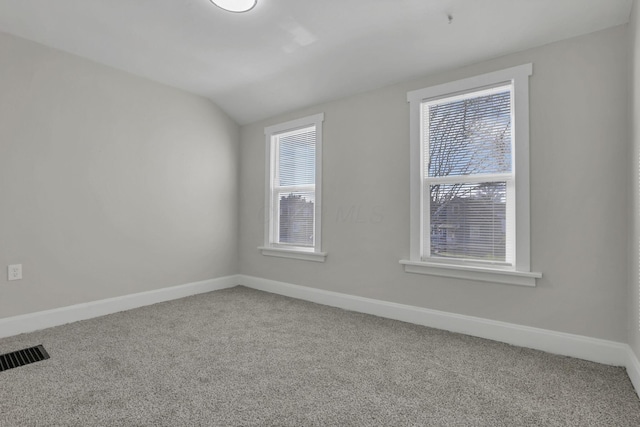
287,54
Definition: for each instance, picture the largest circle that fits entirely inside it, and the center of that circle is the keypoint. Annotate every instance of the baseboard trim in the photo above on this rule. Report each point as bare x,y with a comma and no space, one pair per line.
582,347
59,316
633,369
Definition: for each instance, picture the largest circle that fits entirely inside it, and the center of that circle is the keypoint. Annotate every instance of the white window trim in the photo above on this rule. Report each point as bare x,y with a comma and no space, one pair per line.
520,273
286,251
293,253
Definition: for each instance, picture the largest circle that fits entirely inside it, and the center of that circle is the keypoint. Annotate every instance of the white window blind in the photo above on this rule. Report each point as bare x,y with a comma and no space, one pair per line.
294,187
468,186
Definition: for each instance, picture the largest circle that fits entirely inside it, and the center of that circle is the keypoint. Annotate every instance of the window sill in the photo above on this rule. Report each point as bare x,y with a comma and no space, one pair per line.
293,254
484,274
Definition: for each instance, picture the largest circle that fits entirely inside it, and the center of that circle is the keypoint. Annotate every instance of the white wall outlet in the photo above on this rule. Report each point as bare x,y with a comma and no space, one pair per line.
14,272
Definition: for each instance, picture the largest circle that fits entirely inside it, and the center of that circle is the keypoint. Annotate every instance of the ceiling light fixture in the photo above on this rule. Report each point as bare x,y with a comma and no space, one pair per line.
236,6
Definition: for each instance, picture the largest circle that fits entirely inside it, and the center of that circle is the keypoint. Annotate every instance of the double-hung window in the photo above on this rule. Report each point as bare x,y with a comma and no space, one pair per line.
470,179
293,190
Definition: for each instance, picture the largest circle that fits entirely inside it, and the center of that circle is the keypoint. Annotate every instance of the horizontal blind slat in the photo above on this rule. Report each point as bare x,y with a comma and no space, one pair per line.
467,221
294,189
468,136
297,157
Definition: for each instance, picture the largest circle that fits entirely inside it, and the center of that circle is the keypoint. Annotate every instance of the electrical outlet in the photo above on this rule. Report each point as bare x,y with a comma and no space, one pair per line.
14,272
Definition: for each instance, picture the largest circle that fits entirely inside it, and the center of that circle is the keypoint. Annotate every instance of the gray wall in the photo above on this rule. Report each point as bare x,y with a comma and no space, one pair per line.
634,188
579,206
110,184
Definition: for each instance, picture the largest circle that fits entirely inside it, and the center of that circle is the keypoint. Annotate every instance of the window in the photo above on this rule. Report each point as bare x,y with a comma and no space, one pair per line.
293,192
470,179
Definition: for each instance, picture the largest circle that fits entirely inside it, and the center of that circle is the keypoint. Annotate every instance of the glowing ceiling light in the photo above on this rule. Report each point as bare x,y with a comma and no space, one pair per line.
235,5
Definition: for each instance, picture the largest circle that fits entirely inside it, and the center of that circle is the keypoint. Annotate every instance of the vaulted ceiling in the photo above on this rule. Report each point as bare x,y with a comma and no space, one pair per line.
287,54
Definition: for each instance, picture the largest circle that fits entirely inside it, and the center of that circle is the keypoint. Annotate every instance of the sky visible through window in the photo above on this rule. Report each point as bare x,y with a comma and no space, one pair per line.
470,136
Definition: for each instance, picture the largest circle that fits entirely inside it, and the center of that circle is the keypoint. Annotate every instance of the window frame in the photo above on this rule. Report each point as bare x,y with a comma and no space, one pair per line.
271,247
519,272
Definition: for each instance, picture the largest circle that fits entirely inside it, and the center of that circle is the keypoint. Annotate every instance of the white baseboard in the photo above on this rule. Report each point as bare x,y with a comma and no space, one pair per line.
46,319
593,349
633,369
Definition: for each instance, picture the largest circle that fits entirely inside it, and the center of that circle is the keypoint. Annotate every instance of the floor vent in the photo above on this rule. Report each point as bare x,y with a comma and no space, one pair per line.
22,357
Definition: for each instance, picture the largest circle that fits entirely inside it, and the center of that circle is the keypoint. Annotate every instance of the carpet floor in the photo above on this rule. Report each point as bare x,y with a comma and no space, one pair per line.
240,357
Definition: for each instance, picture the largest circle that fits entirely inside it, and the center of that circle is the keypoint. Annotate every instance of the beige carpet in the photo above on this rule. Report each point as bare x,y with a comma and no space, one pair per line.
240,357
